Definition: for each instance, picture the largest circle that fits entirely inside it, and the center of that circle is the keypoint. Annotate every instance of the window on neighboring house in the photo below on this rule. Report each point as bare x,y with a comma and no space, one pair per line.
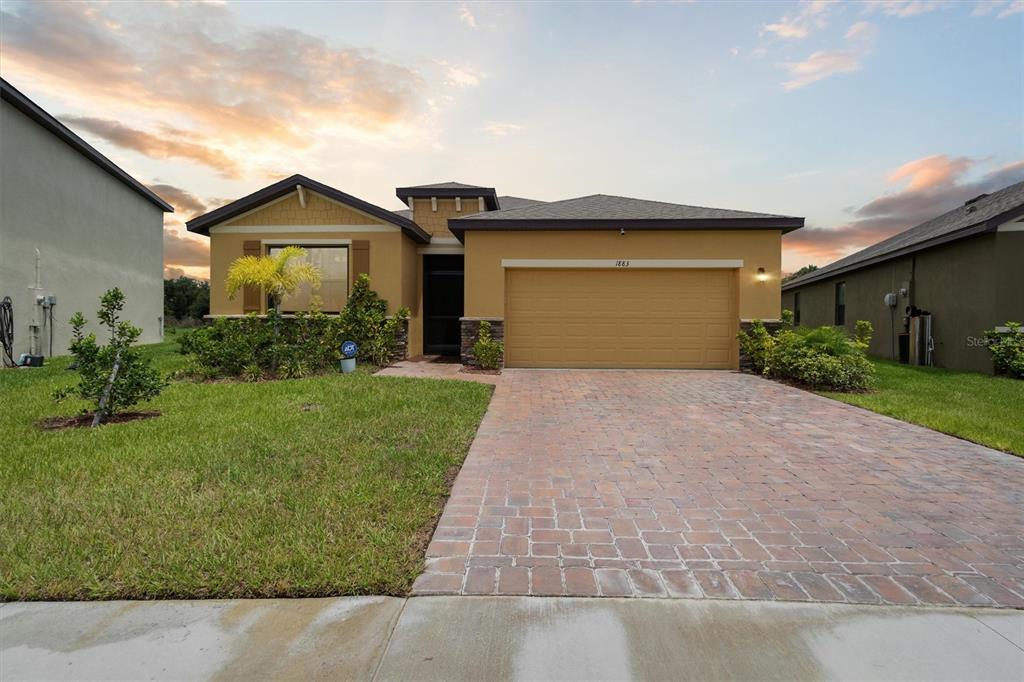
840,304
796,307
332,261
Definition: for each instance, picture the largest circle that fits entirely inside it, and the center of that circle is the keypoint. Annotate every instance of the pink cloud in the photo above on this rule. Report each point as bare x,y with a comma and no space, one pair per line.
935,186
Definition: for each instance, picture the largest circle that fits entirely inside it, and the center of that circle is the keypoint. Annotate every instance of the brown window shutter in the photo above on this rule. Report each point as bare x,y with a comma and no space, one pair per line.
251,295
360,258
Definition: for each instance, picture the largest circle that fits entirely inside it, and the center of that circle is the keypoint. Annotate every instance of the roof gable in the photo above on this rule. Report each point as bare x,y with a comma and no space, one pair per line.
14,97
245,205
981,214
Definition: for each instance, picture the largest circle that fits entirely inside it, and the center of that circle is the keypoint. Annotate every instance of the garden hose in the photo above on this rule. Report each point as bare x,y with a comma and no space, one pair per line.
7,331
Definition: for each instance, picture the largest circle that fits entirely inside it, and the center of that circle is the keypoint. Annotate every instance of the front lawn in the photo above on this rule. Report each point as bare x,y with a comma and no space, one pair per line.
976,407
322,486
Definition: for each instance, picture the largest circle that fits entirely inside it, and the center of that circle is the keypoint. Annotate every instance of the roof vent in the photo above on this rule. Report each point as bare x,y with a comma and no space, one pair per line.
970,202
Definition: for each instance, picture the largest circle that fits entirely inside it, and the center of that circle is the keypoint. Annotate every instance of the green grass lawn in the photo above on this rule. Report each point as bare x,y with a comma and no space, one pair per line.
976,407
322,486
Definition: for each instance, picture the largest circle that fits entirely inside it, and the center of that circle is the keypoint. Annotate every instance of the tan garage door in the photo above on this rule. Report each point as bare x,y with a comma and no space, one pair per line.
664,318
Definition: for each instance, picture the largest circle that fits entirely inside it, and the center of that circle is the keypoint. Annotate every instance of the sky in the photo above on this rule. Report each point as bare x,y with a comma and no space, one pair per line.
864,118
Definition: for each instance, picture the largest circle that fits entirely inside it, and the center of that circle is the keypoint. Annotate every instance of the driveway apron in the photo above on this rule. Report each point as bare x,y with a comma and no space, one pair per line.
722,485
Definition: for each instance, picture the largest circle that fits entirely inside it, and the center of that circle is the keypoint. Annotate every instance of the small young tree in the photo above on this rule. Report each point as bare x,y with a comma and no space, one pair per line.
277,275
115,376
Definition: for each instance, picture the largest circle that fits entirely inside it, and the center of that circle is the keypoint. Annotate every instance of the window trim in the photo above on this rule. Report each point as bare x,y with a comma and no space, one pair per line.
346,244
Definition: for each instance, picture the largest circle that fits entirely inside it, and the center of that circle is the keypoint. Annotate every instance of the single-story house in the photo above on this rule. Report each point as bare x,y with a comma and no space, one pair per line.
595,281
931,291
72,226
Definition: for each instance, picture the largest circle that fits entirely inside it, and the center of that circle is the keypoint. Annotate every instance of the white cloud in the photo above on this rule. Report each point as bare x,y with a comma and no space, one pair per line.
466,17
461,76
811,15
906,8
498,129
860,39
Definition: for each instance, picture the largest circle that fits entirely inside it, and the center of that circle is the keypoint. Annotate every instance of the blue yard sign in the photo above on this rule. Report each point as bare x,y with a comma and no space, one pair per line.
349,349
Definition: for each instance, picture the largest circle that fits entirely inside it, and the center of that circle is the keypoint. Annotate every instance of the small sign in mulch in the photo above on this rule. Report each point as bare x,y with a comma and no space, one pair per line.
84,420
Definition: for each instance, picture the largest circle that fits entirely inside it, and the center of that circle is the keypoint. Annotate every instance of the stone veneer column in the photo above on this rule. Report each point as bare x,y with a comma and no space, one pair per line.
773,326
401,351
470,332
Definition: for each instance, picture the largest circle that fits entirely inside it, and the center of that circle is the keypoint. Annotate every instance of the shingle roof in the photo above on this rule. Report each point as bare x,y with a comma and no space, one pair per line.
202,224
19,101
603,211
982,214
606,206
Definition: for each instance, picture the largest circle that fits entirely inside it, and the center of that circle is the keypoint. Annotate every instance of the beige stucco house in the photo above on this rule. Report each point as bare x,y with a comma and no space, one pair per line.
595,281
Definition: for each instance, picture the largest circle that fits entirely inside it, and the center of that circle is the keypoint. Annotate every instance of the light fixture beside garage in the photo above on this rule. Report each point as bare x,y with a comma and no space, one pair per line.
762,276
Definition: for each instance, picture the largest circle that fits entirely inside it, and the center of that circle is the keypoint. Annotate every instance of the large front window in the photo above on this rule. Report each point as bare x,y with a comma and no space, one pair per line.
332,261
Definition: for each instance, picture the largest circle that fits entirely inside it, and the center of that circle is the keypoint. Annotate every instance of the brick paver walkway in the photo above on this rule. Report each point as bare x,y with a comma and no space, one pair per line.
722,485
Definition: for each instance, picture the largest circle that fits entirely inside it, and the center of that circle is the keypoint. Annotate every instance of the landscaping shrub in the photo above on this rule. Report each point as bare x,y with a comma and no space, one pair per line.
115,376
818,357
1007,349
255,347
487,350
365,320
757,345
822,357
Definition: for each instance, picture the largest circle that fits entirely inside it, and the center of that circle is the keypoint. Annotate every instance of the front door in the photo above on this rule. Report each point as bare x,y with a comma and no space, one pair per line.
442,304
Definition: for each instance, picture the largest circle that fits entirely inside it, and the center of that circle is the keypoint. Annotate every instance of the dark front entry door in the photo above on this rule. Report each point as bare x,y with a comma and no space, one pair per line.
442,304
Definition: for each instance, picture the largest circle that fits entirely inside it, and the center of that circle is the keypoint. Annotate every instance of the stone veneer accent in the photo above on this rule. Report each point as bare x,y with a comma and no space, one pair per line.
470,331
773,326
401,342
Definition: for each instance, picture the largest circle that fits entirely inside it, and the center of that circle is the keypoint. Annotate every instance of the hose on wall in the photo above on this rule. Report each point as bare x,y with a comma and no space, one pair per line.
7,331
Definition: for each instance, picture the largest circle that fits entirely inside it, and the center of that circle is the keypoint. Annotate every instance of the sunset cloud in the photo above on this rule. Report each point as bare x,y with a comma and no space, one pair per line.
186,205
860,39
229,89
168,143
934,185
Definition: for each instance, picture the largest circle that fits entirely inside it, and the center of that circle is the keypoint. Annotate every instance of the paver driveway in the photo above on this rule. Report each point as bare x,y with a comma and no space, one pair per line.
718,484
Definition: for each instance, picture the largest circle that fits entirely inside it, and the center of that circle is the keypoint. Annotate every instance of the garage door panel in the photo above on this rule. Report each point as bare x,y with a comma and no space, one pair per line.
621,318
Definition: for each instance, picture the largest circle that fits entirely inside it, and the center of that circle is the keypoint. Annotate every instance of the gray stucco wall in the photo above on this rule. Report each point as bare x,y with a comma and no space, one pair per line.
969,286
93,233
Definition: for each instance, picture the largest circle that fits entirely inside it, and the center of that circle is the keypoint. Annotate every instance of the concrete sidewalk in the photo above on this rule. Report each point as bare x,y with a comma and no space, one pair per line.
497,638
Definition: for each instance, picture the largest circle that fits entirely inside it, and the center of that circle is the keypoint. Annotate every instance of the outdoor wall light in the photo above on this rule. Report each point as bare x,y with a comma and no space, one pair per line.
762,276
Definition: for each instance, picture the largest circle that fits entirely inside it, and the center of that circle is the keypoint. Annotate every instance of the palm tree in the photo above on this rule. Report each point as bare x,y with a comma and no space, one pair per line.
276,274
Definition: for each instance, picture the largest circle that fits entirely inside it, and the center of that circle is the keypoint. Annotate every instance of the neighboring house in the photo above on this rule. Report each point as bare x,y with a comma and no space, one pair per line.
596,281
72,225
963,267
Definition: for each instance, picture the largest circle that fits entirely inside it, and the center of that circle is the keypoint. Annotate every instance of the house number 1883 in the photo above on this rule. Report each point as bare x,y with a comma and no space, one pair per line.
622,263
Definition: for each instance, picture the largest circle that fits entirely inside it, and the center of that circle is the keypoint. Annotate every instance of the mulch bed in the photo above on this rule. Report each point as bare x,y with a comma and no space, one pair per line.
85,420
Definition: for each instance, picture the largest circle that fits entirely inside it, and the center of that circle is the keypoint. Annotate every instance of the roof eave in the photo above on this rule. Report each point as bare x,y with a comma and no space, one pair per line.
37,114
963,233
488,193
202,224
460,225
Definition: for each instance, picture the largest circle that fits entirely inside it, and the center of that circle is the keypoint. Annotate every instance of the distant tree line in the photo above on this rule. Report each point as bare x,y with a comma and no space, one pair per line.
186,299
799,273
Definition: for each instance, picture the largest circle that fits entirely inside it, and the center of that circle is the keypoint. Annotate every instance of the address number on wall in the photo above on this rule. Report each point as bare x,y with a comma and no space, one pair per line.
622,263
